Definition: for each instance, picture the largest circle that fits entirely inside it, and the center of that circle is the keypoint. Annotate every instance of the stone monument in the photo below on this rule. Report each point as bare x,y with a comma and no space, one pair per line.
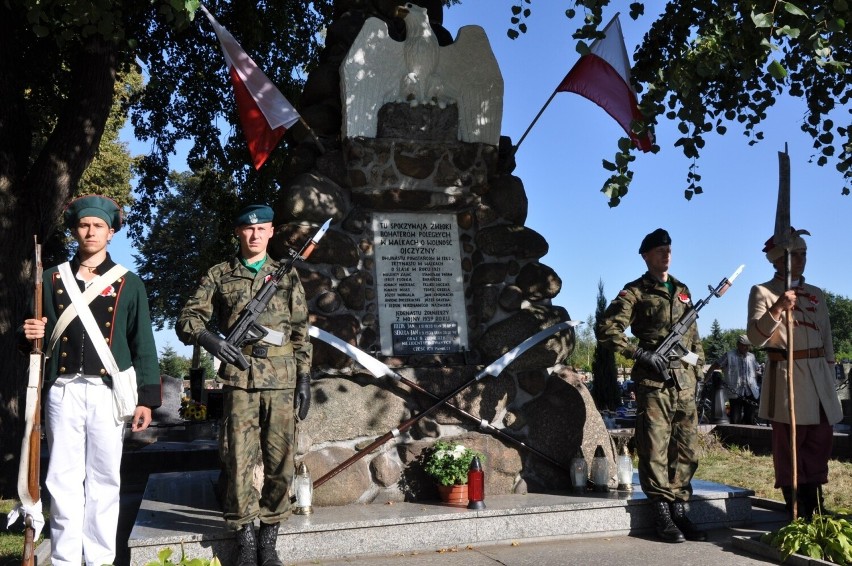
428,265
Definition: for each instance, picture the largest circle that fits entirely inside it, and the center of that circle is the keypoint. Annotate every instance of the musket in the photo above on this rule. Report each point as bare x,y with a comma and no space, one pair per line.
32,439
246,330
672,347
380,369
495,368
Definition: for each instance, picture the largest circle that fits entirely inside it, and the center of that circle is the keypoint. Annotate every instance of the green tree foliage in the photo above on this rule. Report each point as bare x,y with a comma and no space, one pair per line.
705,64
584,346
606,391
172,364
184,224
59,71
178,366
190,97
840,314
715,344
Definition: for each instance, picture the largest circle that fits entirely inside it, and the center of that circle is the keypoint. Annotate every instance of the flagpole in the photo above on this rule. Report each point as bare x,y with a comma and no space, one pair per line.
615,65
313,135
537,116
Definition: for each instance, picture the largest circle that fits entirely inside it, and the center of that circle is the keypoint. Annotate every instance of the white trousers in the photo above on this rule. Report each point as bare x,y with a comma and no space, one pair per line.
83,475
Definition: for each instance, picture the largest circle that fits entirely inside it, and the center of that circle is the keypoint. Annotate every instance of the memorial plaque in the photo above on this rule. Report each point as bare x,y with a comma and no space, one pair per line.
419,283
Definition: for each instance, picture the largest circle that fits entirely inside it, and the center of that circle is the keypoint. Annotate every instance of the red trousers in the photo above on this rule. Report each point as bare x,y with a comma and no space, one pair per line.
813,450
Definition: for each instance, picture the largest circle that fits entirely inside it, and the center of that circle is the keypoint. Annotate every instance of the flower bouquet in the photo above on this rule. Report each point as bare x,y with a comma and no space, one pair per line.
192,410
448,462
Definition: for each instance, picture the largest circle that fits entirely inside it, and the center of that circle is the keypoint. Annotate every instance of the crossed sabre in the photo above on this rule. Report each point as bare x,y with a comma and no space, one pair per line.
379,369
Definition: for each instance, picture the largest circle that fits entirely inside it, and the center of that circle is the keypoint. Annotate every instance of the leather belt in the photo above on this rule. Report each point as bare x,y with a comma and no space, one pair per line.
263,351
797,354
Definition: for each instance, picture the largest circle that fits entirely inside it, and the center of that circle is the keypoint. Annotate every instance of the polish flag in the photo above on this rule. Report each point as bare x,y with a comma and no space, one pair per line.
264,112
603,76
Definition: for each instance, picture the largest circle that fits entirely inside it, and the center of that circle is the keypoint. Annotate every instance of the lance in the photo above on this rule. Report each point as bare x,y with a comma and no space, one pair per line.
380,369
495,368
782,237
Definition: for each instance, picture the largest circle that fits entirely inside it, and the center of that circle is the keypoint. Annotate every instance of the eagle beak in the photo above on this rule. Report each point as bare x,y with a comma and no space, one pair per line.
400,12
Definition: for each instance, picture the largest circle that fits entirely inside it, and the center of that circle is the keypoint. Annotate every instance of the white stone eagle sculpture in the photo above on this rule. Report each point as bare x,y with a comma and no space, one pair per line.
378,70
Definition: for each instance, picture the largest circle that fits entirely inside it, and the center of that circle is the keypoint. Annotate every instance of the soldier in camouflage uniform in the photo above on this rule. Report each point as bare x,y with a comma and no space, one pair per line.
666,420
258,402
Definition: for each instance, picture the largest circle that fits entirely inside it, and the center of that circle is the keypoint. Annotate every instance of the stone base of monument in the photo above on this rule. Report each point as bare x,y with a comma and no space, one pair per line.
180,508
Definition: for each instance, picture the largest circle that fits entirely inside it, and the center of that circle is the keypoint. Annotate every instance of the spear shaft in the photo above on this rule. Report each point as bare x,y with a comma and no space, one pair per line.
494,369
379,369
782,229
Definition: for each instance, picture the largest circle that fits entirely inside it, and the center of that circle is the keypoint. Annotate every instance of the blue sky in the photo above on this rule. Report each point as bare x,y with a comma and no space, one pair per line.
560,166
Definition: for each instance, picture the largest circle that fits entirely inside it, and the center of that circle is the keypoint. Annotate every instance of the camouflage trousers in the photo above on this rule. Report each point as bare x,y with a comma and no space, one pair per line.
666,439
257,421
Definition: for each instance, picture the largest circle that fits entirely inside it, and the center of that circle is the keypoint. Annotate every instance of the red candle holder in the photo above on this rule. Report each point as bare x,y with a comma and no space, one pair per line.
475,485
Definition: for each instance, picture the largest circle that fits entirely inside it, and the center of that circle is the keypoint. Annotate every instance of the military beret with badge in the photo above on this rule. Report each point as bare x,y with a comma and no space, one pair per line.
254,214
655,239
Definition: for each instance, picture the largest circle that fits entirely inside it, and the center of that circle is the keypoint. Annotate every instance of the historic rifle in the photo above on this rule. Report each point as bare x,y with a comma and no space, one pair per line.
246,329
495,368
672,347
29,493
380,369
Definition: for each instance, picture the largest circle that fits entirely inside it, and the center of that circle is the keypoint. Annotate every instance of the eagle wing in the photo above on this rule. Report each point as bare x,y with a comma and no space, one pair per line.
471,77
370,76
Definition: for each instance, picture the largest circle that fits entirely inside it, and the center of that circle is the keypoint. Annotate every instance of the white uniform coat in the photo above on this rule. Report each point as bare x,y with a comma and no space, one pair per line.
813,378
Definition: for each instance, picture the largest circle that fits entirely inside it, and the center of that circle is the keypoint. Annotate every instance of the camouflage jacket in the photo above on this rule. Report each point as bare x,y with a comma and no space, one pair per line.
645,306
223,293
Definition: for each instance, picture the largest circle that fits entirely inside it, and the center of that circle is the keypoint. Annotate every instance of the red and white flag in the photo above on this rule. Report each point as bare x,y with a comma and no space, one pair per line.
264,112
603,76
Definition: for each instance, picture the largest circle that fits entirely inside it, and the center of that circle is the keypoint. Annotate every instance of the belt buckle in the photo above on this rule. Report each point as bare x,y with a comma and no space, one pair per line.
259,352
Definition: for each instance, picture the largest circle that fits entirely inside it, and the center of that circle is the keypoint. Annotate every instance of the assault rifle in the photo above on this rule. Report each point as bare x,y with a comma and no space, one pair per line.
246,330
671,347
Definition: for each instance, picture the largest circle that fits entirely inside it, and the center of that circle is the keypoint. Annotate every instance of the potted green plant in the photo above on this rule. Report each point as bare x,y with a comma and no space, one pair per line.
447,463
825,537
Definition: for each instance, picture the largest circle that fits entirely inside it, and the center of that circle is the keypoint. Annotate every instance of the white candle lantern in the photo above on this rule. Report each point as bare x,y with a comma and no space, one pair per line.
303,487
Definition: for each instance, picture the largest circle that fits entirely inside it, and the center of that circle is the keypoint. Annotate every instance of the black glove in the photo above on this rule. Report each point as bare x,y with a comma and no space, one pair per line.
218,346
303,395
652,360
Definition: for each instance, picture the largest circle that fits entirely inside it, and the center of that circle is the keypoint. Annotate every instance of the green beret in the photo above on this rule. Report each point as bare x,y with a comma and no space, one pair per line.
655,239
93,205
254,214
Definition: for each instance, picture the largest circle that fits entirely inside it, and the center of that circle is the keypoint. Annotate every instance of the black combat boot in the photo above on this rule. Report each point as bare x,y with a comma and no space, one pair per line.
246,546
687,527
267,537
666,529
